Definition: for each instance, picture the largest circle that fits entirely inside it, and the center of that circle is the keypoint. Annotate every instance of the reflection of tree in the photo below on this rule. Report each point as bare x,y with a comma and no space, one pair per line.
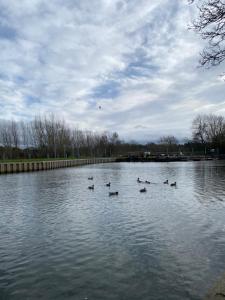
209,180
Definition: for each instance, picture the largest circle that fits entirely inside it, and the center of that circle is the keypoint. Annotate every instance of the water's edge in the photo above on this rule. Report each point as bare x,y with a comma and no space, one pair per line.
217,292
18,167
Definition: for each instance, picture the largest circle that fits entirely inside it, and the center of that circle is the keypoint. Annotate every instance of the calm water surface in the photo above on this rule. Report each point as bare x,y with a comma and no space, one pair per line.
59,240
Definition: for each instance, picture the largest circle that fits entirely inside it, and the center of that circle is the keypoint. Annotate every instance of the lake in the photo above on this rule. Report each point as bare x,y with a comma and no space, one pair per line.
60,240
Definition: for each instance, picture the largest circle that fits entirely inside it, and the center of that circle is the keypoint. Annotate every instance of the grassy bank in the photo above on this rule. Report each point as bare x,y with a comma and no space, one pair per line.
37,159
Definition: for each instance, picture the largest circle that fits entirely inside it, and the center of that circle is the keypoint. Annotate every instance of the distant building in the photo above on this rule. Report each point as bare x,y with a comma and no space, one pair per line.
147,154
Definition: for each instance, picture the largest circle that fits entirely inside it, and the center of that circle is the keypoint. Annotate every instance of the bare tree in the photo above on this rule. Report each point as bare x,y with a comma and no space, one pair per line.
199,129
215,128
209,129
168,140
90,142
6,138
39,138
15,134
168,143
25,137
103,143
77,140
210,24
113,141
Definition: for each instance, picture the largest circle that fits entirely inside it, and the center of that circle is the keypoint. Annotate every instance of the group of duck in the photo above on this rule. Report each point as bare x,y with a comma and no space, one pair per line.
92,187
148,182
144,190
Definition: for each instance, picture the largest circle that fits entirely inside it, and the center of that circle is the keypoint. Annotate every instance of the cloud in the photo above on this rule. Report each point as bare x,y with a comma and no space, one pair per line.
136,59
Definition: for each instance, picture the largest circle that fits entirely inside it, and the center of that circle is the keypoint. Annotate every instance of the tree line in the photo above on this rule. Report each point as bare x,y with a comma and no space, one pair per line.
208,137
48,137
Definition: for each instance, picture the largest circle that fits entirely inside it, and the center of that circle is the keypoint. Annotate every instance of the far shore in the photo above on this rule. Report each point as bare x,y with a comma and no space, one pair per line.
168,158
123,158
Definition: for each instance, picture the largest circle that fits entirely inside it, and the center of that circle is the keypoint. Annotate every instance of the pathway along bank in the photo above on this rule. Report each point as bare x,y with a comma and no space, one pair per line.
18,167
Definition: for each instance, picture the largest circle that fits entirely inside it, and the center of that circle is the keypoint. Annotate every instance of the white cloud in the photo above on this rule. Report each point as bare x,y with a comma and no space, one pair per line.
61,51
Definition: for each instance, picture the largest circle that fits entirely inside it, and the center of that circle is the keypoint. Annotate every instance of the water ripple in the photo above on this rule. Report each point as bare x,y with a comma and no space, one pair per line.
60,240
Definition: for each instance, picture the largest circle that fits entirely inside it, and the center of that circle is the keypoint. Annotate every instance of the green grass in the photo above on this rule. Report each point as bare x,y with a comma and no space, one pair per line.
34,159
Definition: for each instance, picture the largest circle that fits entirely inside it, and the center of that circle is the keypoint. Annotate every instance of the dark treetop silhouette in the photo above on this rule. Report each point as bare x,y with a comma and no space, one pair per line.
210,24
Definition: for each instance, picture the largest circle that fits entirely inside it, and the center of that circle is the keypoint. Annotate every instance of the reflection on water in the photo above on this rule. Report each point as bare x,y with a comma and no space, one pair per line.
60,240
209,182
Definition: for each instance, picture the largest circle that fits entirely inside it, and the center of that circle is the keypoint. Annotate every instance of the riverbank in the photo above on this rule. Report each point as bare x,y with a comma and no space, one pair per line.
218,291
32,166
168,158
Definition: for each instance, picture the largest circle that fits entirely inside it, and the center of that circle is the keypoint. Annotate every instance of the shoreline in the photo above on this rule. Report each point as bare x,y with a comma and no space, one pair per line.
169,159
17,166
33,166
217,291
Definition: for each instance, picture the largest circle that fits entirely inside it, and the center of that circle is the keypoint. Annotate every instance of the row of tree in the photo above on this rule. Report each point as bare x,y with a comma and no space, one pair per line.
47,137
208,137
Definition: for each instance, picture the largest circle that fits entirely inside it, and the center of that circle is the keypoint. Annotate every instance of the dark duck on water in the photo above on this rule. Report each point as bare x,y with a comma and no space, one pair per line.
113,193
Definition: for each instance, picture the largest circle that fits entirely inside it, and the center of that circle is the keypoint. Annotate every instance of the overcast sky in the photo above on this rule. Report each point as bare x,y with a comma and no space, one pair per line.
136,59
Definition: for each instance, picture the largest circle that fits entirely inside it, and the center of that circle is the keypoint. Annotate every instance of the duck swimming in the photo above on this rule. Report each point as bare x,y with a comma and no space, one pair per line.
143,190
166,182
91,187
140,181
173,184
108,184
148,182
113,193
90,178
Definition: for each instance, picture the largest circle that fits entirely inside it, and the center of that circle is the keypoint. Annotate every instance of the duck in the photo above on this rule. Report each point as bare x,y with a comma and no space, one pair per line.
90,178
91,187
140,181
113,193
143,190
173,184
148,182
108,184
166,182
